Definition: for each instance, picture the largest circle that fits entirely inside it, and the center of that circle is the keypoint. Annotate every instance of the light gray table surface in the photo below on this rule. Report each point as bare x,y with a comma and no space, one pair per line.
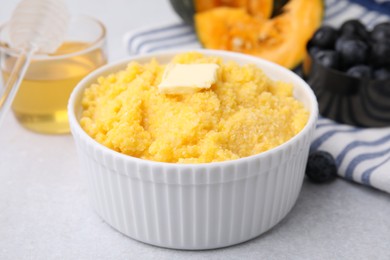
45,213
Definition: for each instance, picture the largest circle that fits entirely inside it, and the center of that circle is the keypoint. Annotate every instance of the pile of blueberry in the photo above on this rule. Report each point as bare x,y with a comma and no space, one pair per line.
354,49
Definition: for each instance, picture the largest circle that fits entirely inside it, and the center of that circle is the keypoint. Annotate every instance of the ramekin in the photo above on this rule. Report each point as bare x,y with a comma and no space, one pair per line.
194,206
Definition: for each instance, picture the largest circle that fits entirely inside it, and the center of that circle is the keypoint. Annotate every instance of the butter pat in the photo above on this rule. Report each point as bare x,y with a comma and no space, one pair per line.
188,78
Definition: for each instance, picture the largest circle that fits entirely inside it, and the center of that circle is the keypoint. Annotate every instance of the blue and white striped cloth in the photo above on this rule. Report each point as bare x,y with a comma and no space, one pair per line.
362,155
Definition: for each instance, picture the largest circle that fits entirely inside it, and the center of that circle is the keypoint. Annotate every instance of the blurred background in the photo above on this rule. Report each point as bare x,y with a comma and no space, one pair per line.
119,16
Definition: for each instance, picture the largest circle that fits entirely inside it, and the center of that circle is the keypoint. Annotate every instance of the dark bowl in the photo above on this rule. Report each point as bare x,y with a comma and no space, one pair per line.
346,99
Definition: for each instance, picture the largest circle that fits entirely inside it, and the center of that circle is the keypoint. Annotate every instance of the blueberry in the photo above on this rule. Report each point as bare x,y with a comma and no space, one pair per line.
360,71
324,37
321,167
380,54
313,50
353,52
382,74
382,26
342,39
381,32
380,35
328,59
354,28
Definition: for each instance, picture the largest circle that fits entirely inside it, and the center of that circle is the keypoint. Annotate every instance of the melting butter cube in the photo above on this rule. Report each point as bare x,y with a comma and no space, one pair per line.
188,78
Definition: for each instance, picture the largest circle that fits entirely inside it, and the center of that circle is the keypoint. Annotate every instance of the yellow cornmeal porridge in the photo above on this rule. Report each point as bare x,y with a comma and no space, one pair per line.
242,114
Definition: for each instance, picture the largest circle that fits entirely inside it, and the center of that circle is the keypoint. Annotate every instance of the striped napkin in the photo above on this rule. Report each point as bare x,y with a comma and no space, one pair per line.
362,155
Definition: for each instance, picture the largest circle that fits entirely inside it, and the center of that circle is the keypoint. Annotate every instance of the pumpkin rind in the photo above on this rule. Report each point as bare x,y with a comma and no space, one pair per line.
186,9
278,6
281,39
256,8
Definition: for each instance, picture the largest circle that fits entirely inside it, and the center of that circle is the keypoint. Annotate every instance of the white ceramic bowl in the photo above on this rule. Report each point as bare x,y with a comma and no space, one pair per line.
194,206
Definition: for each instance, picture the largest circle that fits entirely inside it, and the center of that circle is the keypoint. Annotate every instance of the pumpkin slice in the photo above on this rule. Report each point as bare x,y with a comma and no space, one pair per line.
281,39
187,8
